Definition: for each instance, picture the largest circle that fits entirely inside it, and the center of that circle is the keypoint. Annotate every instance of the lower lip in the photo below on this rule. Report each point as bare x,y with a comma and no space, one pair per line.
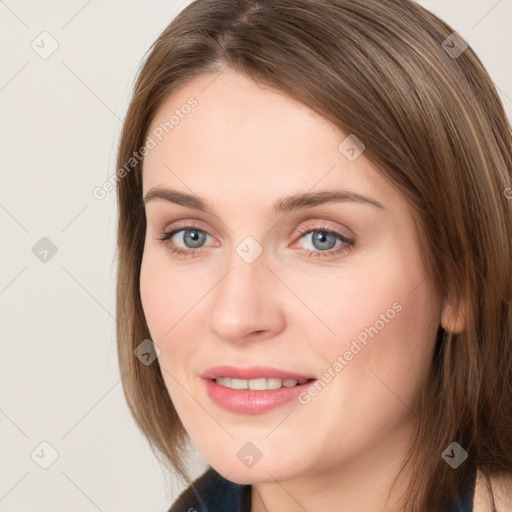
247,401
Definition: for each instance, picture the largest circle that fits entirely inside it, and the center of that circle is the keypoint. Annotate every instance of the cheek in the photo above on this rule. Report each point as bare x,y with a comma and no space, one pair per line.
154,299
389,300
165,295
165,301
386,336
172,307
163,298
383,317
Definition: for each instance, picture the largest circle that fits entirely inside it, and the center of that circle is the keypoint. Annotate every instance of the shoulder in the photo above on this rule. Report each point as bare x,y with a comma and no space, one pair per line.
498,488
211,492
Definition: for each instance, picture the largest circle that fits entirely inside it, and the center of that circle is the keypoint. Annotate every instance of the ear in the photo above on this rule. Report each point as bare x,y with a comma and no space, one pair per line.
453,318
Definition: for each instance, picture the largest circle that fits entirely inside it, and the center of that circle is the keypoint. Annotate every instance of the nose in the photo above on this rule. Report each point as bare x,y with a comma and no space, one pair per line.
247,303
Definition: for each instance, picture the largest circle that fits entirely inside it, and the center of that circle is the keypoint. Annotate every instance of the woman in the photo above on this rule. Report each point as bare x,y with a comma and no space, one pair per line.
315,240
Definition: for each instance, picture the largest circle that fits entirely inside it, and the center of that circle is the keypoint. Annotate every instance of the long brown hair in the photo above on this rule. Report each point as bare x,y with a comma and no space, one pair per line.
433,124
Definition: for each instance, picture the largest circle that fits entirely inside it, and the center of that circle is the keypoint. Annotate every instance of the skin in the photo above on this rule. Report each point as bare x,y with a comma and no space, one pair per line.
241,148
501,497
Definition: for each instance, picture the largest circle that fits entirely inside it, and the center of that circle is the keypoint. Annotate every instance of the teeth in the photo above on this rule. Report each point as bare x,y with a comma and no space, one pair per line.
261,384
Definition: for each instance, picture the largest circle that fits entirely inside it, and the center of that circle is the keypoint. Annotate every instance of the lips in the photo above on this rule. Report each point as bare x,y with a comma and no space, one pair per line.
254,372
253,390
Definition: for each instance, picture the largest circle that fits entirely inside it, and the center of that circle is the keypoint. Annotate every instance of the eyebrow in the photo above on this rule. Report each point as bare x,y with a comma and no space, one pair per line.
283,205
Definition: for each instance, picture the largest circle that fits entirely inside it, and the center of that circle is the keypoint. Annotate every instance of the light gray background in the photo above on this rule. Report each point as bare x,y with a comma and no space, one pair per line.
60,121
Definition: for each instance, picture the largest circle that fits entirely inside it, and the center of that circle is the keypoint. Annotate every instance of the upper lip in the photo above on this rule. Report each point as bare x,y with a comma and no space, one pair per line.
253,372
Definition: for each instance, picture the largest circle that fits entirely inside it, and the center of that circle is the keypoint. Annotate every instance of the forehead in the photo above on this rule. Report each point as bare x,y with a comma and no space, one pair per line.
248,137
233,112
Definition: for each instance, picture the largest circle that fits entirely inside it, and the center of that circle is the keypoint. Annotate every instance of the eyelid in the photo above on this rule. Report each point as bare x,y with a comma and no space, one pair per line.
187,223
193,224
200,226
349,240
325,226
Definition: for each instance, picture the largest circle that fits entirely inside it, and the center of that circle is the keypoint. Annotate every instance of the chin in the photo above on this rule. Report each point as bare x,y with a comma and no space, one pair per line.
258,473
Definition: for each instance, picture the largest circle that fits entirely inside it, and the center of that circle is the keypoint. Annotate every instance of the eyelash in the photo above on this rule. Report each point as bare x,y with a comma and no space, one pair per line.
348,243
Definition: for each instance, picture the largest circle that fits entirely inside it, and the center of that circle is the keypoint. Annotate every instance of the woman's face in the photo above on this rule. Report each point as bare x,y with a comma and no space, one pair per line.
333,291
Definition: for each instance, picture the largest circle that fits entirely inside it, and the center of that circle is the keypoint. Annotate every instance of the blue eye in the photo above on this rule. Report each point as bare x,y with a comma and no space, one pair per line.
322,238
192,235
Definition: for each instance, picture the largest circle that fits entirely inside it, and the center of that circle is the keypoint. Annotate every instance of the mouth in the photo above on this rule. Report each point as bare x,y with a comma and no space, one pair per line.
253,390
253,373
259,384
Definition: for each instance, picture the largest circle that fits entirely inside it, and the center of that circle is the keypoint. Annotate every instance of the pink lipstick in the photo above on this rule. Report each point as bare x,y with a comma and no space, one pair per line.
253,390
